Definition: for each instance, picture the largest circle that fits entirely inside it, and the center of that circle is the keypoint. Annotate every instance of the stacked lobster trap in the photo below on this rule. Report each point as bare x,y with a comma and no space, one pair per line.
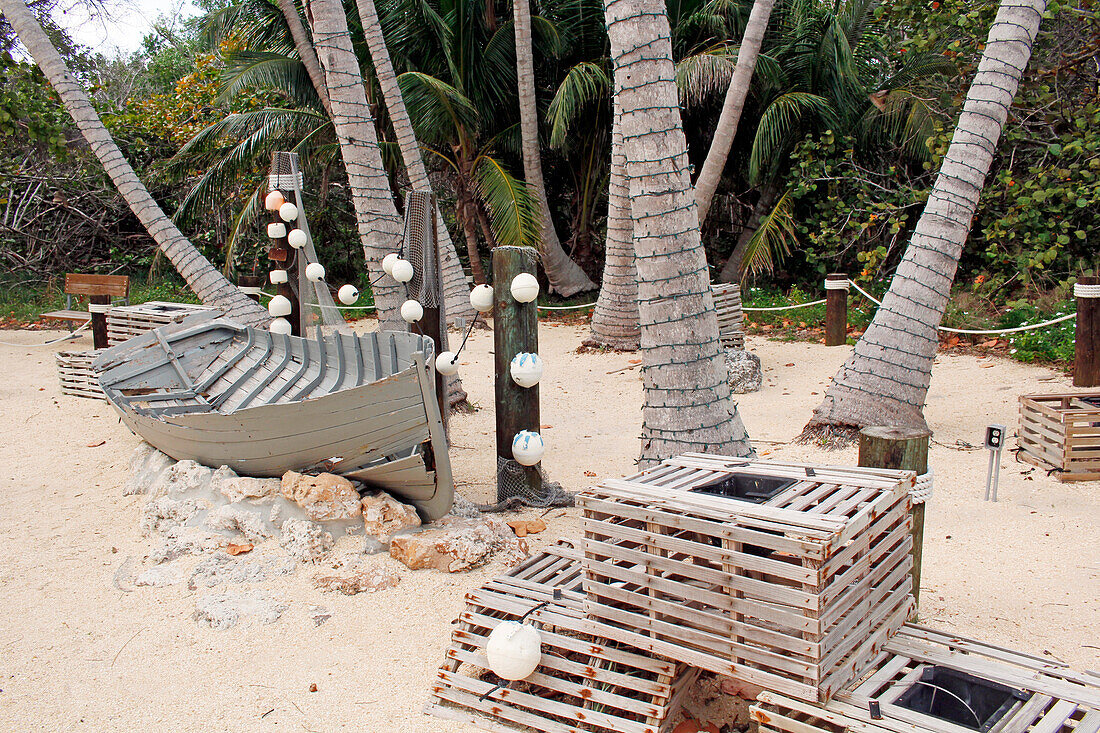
791,577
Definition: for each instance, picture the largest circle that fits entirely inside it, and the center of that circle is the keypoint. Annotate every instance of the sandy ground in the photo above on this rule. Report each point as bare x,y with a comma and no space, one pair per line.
78,654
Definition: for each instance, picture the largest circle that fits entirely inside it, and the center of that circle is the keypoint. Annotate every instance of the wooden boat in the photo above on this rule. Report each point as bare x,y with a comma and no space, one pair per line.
212,391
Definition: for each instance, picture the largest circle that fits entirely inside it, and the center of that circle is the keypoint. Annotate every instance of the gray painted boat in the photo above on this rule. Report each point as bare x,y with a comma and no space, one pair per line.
212,391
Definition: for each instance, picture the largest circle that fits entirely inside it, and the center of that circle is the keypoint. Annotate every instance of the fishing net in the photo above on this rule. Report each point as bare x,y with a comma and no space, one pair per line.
513,488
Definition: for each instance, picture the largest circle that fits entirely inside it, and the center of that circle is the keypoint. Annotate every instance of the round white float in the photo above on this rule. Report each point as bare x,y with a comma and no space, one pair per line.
296,238
278,277
387,262
525,287
402,271
280,325
274,200
528,447
315,272
279,306
348,294
446,363
481,298
412,311
276,230
288,212
513,650
526,369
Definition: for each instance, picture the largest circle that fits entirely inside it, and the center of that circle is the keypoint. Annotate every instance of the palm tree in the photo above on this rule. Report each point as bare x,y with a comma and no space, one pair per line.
886,379
209,284
379,223
565,276
304,46
738,90
687,401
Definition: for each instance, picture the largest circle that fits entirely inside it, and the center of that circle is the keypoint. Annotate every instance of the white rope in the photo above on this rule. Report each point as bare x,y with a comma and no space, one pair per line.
837,284
99,307
66,337
922,489
344,307
865,294
564,307
786,307
1009,330
250,289
1081,290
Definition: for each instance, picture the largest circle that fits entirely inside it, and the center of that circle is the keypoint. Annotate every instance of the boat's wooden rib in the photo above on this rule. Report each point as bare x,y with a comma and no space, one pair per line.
221,394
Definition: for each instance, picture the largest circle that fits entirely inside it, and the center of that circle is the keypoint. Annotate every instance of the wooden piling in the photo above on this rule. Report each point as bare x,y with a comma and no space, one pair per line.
836,311
99,319
1086,356
905,449
285,257
433,322
250,282
515,330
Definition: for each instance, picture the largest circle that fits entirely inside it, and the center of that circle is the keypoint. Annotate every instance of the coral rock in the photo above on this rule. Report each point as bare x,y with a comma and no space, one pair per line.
384,516
305,540
744,373
228,518
324,497
364,580
162,514
456,544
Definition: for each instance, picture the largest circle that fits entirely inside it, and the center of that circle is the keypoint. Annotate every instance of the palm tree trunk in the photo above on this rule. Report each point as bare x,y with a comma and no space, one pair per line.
468,219
687,400
720,144
731,271
615,318
306,52
566,276
379,223
456,292
885,381
203,278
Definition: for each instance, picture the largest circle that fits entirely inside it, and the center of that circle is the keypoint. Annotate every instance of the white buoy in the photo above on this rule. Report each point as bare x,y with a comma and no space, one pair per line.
296,238
278,277
387,262
412,311
280,325
526,369
315,272
528,447
279,306
402,270
288,212
348,294
513,650
274,200
525,287
276,230
446,363
481,298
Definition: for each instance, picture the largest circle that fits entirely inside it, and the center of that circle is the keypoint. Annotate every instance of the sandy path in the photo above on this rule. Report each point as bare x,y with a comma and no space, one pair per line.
77,653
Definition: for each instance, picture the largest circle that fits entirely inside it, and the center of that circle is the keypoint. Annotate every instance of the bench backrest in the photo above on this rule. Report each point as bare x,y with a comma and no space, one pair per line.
116,286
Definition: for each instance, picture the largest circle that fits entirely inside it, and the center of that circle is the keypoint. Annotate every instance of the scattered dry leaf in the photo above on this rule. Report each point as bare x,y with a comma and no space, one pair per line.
791,364
518,526
233,549
313,687
535,526
635,361
590,473
96,445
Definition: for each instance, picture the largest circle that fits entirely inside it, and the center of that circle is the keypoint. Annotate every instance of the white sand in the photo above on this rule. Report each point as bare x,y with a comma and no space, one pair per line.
76,653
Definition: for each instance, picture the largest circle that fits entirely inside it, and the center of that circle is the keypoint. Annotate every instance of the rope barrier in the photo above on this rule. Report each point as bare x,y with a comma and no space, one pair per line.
922,489
564,307
785,307
1009,330
1080,290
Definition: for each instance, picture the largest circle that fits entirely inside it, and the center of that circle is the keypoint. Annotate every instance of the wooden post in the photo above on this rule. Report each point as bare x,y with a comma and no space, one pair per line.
836,310
1086,352
284,257
433,322
905,449
97,306
515,330
250,285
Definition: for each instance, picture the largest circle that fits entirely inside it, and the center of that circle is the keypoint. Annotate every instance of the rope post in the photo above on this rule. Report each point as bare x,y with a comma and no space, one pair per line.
250,285
1086,354
515,330
836,309
905,449
286,258
98,305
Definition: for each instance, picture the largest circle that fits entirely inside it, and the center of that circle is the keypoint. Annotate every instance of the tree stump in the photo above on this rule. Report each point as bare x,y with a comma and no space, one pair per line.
836,311
905,449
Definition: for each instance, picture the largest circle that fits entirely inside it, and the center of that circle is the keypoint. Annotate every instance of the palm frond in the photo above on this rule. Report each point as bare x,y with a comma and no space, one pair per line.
773,239
244,218
778,125
584,84
705,75
439,111
263,71
513,212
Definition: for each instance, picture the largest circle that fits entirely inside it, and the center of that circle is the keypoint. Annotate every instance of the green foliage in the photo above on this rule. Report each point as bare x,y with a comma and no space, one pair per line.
1046,345
29,109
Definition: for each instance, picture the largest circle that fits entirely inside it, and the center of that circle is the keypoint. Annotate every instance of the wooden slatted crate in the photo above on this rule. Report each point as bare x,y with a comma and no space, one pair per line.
1016,693
126,321
727,301
74,372
796,594
1061,433
584,683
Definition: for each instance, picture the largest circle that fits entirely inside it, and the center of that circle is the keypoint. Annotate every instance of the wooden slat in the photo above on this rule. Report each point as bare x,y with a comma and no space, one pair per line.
116,286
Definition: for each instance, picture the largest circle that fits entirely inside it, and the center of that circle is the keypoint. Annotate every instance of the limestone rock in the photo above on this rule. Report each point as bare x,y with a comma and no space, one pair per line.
237,488
305,540
324,497
159,576
147,469
220,569
186,477
181,541
319,614
229,518
455,544
362,580
745,374
463,507
162,514
384,516
224,610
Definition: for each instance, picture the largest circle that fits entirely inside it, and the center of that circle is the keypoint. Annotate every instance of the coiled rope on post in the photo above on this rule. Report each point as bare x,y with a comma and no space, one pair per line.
922,489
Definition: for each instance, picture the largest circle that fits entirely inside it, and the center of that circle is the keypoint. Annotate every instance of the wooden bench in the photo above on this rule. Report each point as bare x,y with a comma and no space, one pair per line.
100,290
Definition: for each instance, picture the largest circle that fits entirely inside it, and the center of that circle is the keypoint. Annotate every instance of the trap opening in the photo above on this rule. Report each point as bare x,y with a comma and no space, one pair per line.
750,487
960,698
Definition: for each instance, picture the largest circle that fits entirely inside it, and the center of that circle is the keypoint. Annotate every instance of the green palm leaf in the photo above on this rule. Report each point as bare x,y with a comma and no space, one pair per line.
513,212
439,111
703,76
773,240
584,84
778,127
